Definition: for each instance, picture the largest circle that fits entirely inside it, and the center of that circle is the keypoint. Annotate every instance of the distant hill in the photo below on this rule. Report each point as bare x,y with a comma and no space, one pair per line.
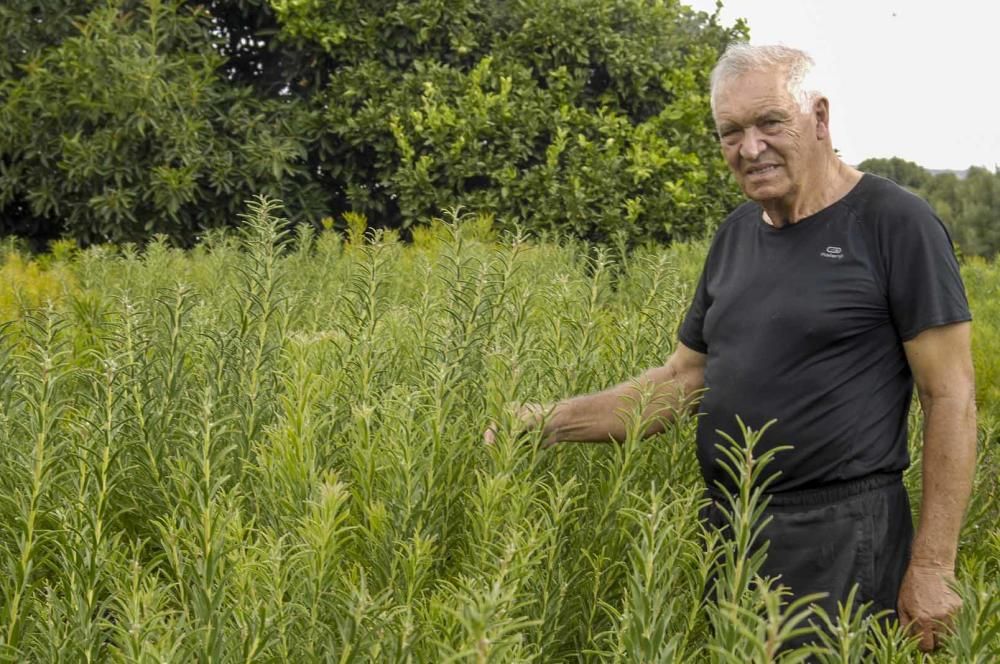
960,174
940,171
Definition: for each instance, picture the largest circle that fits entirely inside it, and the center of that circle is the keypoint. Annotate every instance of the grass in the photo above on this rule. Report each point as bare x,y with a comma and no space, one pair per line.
269,449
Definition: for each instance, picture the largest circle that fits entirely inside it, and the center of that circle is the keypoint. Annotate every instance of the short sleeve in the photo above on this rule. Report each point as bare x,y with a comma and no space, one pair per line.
924,281
691,331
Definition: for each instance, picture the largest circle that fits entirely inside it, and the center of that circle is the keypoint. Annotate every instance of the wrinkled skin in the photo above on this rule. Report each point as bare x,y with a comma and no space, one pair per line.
927,604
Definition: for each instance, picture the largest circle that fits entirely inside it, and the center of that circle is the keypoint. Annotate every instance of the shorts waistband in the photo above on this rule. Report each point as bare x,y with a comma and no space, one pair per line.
837,491
830,493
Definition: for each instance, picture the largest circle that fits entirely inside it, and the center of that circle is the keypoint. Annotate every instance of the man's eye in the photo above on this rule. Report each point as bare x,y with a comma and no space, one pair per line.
729,135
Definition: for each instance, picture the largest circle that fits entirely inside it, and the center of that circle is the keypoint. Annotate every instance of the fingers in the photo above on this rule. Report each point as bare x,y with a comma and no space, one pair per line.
927,605
491,435
528,417
926,633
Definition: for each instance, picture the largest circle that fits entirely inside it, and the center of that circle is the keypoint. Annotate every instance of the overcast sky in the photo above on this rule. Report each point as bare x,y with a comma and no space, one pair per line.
916,79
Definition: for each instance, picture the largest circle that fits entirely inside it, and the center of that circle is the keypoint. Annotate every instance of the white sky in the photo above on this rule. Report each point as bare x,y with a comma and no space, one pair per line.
917,79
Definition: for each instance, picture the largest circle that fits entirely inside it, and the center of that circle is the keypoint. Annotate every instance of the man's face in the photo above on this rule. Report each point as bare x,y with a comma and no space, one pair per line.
768,142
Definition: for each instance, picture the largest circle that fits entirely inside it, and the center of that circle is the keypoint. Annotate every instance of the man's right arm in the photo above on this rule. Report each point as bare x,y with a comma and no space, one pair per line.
602,417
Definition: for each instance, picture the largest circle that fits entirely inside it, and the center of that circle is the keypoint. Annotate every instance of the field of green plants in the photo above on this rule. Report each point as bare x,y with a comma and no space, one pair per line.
269,449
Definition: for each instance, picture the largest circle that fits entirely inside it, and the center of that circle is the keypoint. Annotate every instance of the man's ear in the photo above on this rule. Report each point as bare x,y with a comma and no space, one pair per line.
821,114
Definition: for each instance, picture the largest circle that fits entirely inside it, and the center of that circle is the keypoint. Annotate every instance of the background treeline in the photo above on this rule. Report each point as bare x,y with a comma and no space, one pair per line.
969,205
120,119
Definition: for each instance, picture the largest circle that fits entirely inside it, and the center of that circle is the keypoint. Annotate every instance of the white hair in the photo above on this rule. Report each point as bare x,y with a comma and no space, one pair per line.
798,66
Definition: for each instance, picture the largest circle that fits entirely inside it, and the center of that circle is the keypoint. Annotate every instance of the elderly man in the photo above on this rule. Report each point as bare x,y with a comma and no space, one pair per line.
823,299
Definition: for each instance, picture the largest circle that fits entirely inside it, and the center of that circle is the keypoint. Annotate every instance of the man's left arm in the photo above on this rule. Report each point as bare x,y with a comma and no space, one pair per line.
941,361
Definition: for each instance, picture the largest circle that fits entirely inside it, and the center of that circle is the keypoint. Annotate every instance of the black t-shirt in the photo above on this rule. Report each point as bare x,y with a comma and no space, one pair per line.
804,324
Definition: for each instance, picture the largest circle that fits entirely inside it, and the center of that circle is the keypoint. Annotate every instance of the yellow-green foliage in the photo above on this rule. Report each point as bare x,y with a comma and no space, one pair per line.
476,227
982,280
270,449
28,284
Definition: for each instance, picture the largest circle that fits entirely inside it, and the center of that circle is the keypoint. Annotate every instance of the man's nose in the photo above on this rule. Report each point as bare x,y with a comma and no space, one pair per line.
752,144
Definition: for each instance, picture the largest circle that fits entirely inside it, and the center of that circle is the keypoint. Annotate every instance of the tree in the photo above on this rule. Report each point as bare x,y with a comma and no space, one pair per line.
969,206
977,218
125,129
123,118
31,26
902,172
589,116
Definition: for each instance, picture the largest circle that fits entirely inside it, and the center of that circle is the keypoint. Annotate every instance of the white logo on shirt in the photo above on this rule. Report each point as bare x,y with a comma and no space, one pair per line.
833,252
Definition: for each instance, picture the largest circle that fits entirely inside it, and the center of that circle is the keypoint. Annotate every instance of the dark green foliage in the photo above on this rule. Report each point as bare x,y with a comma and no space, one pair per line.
124,118
975,209
589,117
126,129
969,206
247,37
900,171
30,26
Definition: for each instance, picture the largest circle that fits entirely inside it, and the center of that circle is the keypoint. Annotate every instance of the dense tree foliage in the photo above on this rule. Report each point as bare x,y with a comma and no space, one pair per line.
590,116
969,205
119,119
126,128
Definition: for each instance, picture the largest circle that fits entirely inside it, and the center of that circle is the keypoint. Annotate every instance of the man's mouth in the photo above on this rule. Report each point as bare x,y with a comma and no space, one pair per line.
762,169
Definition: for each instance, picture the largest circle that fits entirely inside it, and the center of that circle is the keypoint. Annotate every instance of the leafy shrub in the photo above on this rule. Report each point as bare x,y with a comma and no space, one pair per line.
126,129
125,119
590,118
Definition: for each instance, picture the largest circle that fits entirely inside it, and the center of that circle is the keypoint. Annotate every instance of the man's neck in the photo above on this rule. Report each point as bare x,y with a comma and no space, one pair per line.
835,180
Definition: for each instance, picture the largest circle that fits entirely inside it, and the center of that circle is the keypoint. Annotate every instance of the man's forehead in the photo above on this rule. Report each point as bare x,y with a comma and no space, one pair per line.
752,93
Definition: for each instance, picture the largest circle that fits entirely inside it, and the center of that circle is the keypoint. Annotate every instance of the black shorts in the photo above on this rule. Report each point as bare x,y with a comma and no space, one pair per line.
826,540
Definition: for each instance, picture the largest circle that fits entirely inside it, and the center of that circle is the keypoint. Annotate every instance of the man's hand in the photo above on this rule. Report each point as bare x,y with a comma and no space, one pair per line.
599,417
528,417
926,604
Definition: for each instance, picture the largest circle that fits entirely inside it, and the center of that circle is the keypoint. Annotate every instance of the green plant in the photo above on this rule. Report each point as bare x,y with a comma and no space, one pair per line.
268,448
